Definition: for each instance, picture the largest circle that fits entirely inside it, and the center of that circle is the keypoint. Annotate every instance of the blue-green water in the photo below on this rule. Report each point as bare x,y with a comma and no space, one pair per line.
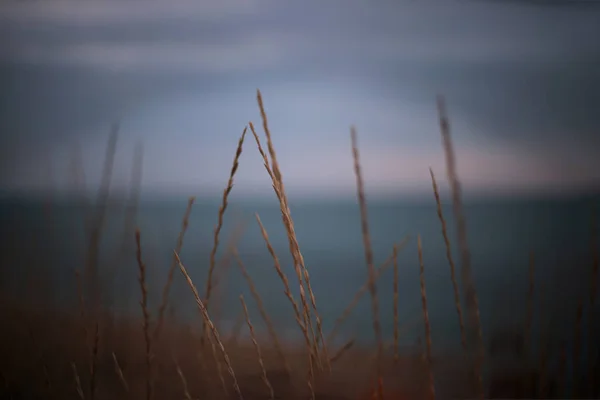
501,235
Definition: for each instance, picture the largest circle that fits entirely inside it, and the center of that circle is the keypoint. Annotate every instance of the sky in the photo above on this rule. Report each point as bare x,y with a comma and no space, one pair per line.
521,80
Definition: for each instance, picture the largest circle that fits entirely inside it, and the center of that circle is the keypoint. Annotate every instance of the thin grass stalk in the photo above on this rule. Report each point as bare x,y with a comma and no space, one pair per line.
223,269
263,312
299,265
368,250
472,302
222,209
543,362
184,384
577,349
290,296
593,295
94,362
263,371
341,351
78,388
119,373
359,294
145,315
92,256
426,321
209,323
450,258
167,287
396,300
530,298
236,330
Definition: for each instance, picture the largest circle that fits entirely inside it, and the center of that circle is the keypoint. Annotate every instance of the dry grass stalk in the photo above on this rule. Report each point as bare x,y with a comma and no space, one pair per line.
223,268
530,298
145,314
119,373
562,371
184,384
222,209
577,349
341,351
96,225
299,265
263,312
396,299
94,362
265,160
77,381
472,302
264,376
450,258
429,358
211,326
81,304
219,366
368,250
236,330
290,296
167,287
543,362
359,294
593,295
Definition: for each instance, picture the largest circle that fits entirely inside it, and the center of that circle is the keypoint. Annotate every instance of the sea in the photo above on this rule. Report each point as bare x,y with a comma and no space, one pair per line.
48,239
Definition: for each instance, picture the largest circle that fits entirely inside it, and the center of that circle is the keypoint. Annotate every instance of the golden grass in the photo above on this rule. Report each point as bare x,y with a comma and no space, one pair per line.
281,369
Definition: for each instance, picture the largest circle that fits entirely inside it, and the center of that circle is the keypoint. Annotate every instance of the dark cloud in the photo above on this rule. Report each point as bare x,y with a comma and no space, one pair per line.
516,73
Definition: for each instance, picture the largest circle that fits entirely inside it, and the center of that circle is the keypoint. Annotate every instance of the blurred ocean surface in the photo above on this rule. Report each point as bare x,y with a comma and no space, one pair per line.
41,236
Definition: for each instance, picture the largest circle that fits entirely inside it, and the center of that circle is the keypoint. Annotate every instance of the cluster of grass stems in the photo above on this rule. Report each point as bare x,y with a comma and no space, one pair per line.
151,365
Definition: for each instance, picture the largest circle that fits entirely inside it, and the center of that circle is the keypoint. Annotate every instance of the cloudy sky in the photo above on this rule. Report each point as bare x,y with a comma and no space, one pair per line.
522,82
